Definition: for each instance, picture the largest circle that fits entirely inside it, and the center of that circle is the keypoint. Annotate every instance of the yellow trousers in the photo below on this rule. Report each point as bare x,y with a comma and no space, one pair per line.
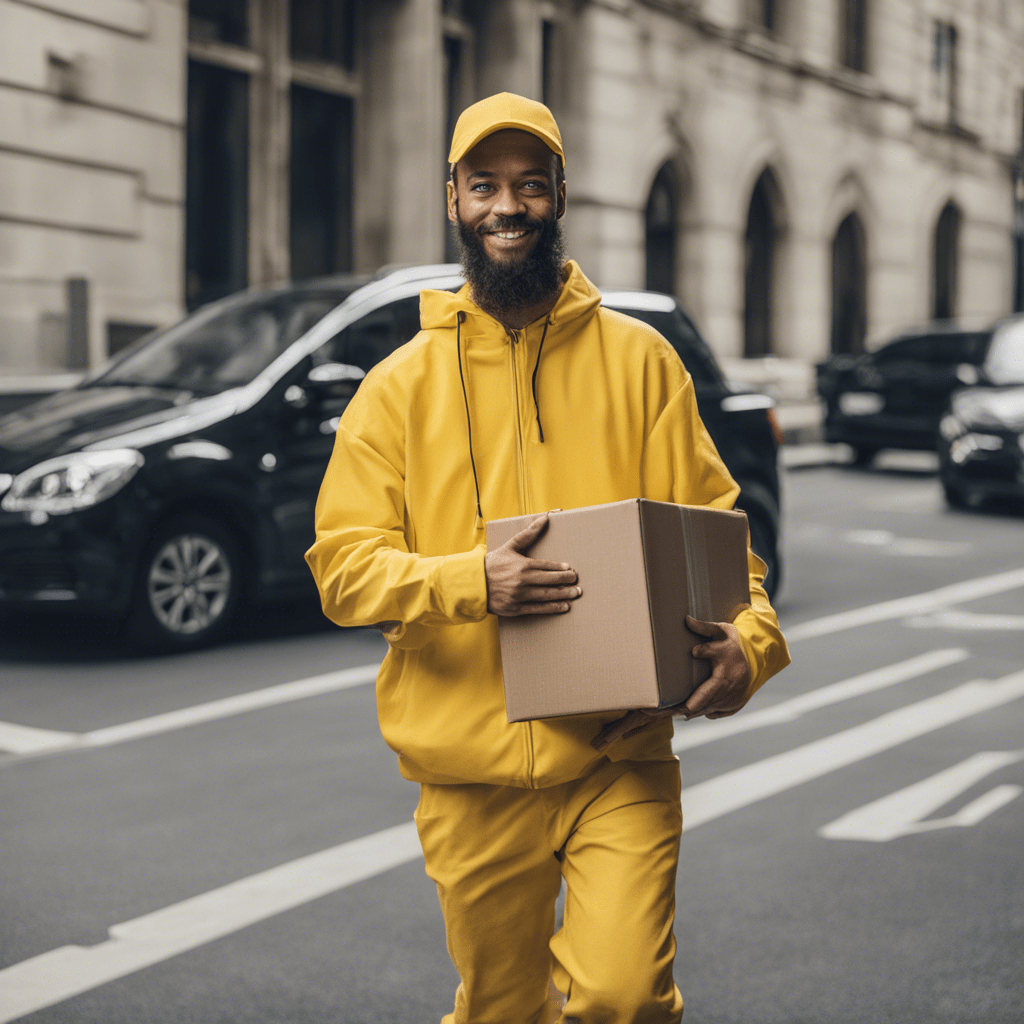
498,855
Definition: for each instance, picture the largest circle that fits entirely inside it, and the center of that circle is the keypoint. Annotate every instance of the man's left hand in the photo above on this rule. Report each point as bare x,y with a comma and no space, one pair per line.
722,694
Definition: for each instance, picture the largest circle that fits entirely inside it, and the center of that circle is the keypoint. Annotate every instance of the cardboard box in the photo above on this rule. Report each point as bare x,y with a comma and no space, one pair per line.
643,566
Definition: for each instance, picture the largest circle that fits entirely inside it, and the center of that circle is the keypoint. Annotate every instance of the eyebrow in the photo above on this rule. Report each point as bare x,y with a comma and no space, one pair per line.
533,171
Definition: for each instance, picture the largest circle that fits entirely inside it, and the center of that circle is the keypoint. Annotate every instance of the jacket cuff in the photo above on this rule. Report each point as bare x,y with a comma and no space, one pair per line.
463,585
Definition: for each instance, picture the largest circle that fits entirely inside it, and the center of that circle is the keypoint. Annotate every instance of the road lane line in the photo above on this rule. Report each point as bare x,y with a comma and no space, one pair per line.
25,739
900,813
744,786
62,973
694,734
33,741
70,970
916,604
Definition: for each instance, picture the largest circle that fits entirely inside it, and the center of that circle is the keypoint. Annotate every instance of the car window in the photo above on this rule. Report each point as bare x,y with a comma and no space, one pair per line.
947,349
681,334
208,354
374,336
1005,361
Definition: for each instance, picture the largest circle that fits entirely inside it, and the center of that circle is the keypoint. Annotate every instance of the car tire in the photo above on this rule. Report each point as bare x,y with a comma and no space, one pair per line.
955,496
863,456
187,586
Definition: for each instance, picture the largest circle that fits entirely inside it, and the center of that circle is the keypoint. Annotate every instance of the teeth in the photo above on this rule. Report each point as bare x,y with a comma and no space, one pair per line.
509,234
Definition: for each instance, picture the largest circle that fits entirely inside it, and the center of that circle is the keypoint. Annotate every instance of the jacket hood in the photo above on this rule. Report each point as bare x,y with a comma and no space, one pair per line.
577,301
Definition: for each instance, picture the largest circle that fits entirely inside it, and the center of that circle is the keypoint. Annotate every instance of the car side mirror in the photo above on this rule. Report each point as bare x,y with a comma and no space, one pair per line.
967,373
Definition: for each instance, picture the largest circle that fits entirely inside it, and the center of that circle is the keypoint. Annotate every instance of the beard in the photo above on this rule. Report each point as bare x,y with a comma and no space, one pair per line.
508,286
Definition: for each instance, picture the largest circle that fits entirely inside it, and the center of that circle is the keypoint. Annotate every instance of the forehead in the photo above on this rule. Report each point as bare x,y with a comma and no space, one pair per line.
509,151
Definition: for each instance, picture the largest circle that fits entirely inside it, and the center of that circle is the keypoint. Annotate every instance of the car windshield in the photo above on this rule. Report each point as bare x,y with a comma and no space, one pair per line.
208,354
1005,361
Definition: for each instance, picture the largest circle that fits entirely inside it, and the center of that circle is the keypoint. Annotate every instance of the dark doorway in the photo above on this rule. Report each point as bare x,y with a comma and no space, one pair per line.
661,232
759,271
321,183
216,183
849,286
945,263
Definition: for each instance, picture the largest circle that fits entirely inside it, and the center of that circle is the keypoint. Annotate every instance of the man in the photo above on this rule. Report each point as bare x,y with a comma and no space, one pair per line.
522,394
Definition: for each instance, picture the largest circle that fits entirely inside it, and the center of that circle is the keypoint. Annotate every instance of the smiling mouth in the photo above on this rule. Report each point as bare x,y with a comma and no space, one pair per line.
510,236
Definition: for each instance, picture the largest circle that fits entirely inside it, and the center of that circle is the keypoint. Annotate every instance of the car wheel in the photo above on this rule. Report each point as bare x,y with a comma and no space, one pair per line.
863,456
187,586
763,519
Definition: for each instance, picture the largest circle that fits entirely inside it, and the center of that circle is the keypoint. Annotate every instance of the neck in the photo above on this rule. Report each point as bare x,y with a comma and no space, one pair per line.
517,317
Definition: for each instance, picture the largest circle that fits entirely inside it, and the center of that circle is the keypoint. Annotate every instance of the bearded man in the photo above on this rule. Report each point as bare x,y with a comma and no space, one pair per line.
521,394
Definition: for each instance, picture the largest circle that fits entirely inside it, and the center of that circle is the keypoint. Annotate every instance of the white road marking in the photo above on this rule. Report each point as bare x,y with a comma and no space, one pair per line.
956,618
916,547
901,607
744,786
900,813
71,970
696,733
25,739
39,740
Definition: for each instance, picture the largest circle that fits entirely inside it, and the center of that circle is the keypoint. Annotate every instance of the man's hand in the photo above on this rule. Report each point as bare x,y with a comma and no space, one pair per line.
520,585
722,694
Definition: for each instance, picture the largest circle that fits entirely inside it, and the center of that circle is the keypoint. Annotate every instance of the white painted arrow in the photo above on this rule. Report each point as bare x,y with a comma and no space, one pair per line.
901,813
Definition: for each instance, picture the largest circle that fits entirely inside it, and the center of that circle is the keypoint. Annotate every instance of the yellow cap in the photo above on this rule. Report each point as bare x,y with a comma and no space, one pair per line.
504,110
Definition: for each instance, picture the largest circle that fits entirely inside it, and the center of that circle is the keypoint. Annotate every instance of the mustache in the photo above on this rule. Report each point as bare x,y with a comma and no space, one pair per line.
512,222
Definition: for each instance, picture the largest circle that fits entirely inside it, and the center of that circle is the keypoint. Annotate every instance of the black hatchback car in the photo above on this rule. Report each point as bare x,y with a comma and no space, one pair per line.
895,396
181,478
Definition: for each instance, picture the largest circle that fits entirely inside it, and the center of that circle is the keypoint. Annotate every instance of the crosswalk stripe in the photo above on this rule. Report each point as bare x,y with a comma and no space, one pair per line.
915,604
24,740
696,733
70,970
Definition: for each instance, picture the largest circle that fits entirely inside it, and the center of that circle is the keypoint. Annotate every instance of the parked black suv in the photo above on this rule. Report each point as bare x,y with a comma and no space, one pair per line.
895,396
181,477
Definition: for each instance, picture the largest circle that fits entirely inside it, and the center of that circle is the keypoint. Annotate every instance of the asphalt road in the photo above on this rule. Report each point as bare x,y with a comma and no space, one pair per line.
853,837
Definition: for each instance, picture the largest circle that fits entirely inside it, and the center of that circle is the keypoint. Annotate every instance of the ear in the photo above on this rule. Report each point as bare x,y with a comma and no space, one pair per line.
560,204
453,202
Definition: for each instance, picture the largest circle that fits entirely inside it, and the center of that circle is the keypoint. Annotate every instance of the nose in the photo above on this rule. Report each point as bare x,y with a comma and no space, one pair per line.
508,203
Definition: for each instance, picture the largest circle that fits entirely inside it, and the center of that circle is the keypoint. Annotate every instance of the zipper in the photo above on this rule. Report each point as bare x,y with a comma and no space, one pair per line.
520,449
521,480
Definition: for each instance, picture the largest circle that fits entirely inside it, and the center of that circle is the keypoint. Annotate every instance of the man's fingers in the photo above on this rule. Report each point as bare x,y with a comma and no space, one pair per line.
539,608
615,730
531,595
713,630
525,537
559,576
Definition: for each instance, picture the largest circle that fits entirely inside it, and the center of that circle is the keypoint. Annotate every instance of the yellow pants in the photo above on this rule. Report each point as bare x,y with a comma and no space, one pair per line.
498,855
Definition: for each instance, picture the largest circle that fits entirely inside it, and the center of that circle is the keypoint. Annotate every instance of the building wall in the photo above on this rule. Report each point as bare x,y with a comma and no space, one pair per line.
91,185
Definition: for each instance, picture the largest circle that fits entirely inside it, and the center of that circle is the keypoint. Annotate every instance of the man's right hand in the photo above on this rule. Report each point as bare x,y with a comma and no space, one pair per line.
520,585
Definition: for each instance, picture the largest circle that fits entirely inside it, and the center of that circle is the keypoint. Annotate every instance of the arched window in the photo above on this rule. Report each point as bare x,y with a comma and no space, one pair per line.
944,262
854,34
759,269
661,224
849,286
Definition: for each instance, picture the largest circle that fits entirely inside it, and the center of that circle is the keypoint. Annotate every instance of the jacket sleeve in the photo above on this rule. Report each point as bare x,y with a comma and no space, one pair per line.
682,465
360,559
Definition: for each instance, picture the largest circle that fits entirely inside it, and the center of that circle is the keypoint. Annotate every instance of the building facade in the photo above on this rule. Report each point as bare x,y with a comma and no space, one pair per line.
807,175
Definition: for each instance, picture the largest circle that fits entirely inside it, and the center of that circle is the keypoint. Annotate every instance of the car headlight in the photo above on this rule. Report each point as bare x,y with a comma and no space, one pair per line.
71,482
964,447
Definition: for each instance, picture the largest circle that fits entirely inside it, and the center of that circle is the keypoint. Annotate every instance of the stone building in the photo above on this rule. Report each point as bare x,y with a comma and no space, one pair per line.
806,174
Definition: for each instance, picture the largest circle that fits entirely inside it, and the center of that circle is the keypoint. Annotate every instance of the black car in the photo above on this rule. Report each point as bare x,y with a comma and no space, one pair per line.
182,477
981,451
895,396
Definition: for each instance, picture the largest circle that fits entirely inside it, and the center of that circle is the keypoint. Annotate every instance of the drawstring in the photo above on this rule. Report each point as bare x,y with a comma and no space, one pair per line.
459,317
536,367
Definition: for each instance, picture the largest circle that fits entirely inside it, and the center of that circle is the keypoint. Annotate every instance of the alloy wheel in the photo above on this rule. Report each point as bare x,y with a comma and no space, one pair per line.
189,583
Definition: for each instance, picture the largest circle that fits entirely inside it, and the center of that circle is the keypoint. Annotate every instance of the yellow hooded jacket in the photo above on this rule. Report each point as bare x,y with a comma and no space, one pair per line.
398,537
